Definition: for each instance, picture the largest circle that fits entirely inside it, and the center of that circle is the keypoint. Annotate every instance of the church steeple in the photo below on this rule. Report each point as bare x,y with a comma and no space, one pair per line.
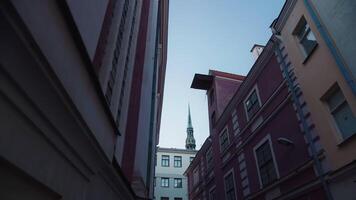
190,141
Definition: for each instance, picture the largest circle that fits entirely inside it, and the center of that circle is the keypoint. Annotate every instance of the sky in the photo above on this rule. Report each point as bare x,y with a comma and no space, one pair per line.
203,35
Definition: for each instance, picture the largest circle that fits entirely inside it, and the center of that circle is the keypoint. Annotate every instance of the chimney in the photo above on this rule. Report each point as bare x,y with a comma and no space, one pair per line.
256,50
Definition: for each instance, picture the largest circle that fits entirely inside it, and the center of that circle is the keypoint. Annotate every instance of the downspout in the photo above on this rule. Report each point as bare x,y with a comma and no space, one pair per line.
153,117
329,43
308,135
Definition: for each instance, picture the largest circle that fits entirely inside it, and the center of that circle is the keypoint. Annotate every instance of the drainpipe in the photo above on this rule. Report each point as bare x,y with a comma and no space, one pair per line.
329,43
308,135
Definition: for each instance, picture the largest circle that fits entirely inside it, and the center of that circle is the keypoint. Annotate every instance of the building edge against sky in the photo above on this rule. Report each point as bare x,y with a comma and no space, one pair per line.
81,120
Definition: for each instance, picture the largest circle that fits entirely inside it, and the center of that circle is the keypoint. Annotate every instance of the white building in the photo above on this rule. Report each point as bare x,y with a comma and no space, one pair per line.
171,163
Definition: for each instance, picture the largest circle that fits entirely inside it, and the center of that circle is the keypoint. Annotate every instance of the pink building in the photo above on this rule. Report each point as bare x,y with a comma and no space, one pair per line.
80,96
256,148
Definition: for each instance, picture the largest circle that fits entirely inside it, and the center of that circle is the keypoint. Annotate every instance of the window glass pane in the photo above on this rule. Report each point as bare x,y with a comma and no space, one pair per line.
165,161
308,42
265,164
345,120
336,99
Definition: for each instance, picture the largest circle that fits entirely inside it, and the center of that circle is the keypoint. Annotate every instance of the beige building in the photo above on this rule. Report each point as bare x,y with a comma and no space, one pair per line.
315,51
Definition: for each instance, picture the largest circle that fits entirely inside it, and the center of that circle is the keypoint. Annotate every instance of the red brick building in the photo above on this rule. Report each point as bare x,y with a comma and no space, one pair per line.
256,148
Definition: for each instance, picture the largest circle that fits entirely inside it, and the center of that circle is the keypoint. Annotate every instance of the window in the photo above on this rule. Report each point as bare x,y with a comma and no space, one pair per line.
165,161
342,113
266,168
213,119
229,186
212,194
164,198
177,182
177,161
164,182
224,140
235,123
252,104
191,159
196,175
305,37
178,198
211,96
209,158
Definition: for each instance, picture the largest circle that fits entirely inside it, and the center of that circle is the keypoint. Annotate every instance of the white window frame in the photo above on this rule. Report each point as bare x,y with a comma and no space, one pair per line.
174,182
255,88
228,138
174,161
165,178
266,138
233,178
169,160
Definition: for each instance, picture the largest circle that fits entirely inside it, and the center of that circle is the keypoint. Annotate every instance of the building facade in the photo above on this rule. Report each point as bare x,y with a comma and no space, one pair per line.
81,96
171,163
257,148
316,40
170,182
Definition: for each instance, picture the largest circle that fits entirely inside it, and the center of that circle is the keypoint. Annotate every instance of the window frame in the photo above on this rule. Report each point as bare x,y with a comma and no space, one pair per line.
231,171
162,165
254,89
326,98
175,180
196,178
179,161
209,158
212,189
162,182
268,139
224,130
304,26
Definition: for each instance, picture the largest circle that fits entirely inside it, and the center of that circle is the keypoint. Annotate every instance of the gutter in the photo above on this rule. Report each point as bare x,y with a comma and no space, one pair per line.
307,133
329,43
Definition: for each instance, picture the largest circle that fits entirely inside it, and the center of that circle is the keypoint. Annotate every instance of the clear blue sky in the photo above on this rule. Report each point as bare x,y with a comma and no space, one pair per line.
203,35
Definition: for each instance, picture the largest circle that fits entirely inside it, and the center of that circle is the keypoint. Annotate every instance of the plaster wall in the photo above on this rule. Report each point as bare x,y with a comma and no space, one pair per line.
316,76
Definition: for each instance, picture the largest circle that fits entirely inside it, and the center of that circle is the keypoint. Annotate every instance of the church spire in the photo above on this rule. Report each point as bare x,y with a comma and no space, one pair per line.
190,141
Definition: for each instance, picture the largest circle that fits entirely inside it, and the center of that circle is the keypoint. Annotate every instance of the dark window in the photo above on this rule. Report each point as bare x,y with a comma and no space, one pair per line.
224,140
209,158
177,161
165,161
305,37
229,187
213,120
196,175
164,198
252,104
265,163
342,114
177,182
212,194
178,198
211,96
164,182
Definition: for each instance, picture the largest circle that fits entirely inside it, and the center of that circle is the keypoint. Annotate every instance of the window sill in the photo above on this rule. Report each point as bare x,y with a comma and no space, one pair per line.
309,55
344,142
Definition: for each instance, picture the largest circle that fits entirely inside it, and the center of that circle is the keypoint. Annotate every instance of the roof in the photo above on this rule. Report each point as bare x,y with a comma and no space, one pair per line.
176,150
256,45
202,81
